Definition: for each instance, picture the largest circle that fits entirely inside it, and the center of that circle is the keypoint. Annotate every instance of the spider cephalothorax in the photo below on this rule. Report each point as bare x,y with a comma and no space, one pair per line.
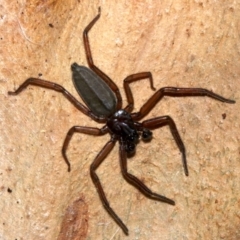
104,104
122,125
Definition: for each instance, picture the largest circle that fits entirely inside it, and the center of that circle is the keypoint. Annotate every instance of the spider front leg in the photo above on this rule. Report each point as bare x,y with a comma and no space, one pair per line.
58,88
175,92
133,78
136,182
98,160
91,64
80,129
163,121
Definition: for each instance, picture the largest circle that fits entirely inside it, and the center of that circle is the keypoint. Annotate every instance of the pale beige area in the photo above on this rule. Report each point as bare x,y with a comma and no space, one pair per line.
183,43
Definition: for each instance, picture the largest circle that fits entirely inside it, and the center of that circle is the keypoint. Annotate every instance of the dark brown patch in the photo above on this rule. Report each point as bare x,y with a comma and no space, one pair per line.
75,221
224,115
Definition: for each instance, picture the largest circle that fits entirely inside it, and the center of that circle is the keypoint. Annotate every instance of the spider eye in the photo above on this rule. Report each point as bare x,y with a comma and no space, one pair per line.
146,135
133,137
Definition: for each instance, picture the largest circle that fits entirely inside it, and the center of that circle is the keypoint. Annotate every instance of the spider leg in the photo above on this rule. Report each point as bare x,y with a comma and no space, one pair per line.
98,160
133,78
163,121
175,92
58,88
80,129
136,182
91,64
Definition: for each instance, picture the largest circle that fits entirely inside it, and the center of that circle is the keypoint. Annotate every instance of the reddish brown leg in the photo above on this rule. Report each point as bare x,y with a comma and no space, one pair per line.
163,121
80,129
175,92
133,78
136,182
98,160
58,88
101,74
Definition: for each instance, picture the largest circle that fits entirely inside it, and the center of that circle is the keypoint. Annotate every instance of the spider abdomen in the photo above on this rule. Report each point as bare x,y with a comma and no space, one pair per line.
96,94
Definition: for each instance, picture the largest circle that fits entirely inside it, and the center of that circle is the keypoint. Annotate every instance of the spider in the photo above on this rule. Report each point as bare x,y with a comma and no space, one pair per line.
104,105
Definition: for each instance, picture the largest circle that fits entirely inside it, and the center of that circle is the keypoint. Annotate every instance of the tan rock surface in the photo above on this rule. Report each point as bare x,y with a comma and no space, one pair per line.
183,43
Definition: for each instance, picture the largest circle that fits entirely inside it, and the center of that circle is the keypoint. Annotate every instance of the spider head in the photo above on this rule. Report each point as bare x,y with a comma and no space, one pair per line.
130,142
122,125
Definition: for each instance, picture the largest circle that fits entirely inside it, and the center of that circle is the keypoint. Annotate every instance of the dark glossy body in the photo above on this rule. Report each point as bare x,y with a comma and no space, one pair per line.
96,94
104,104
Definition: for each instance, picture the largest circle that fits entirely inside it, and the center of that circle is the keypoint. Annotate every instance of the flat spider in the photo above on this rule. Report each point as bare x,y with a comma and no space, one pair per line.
104,105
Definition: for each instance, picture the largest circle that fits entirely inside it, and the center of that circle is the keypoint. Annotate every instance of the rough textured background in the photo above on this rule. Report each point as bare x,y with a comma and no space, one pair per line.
183,43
